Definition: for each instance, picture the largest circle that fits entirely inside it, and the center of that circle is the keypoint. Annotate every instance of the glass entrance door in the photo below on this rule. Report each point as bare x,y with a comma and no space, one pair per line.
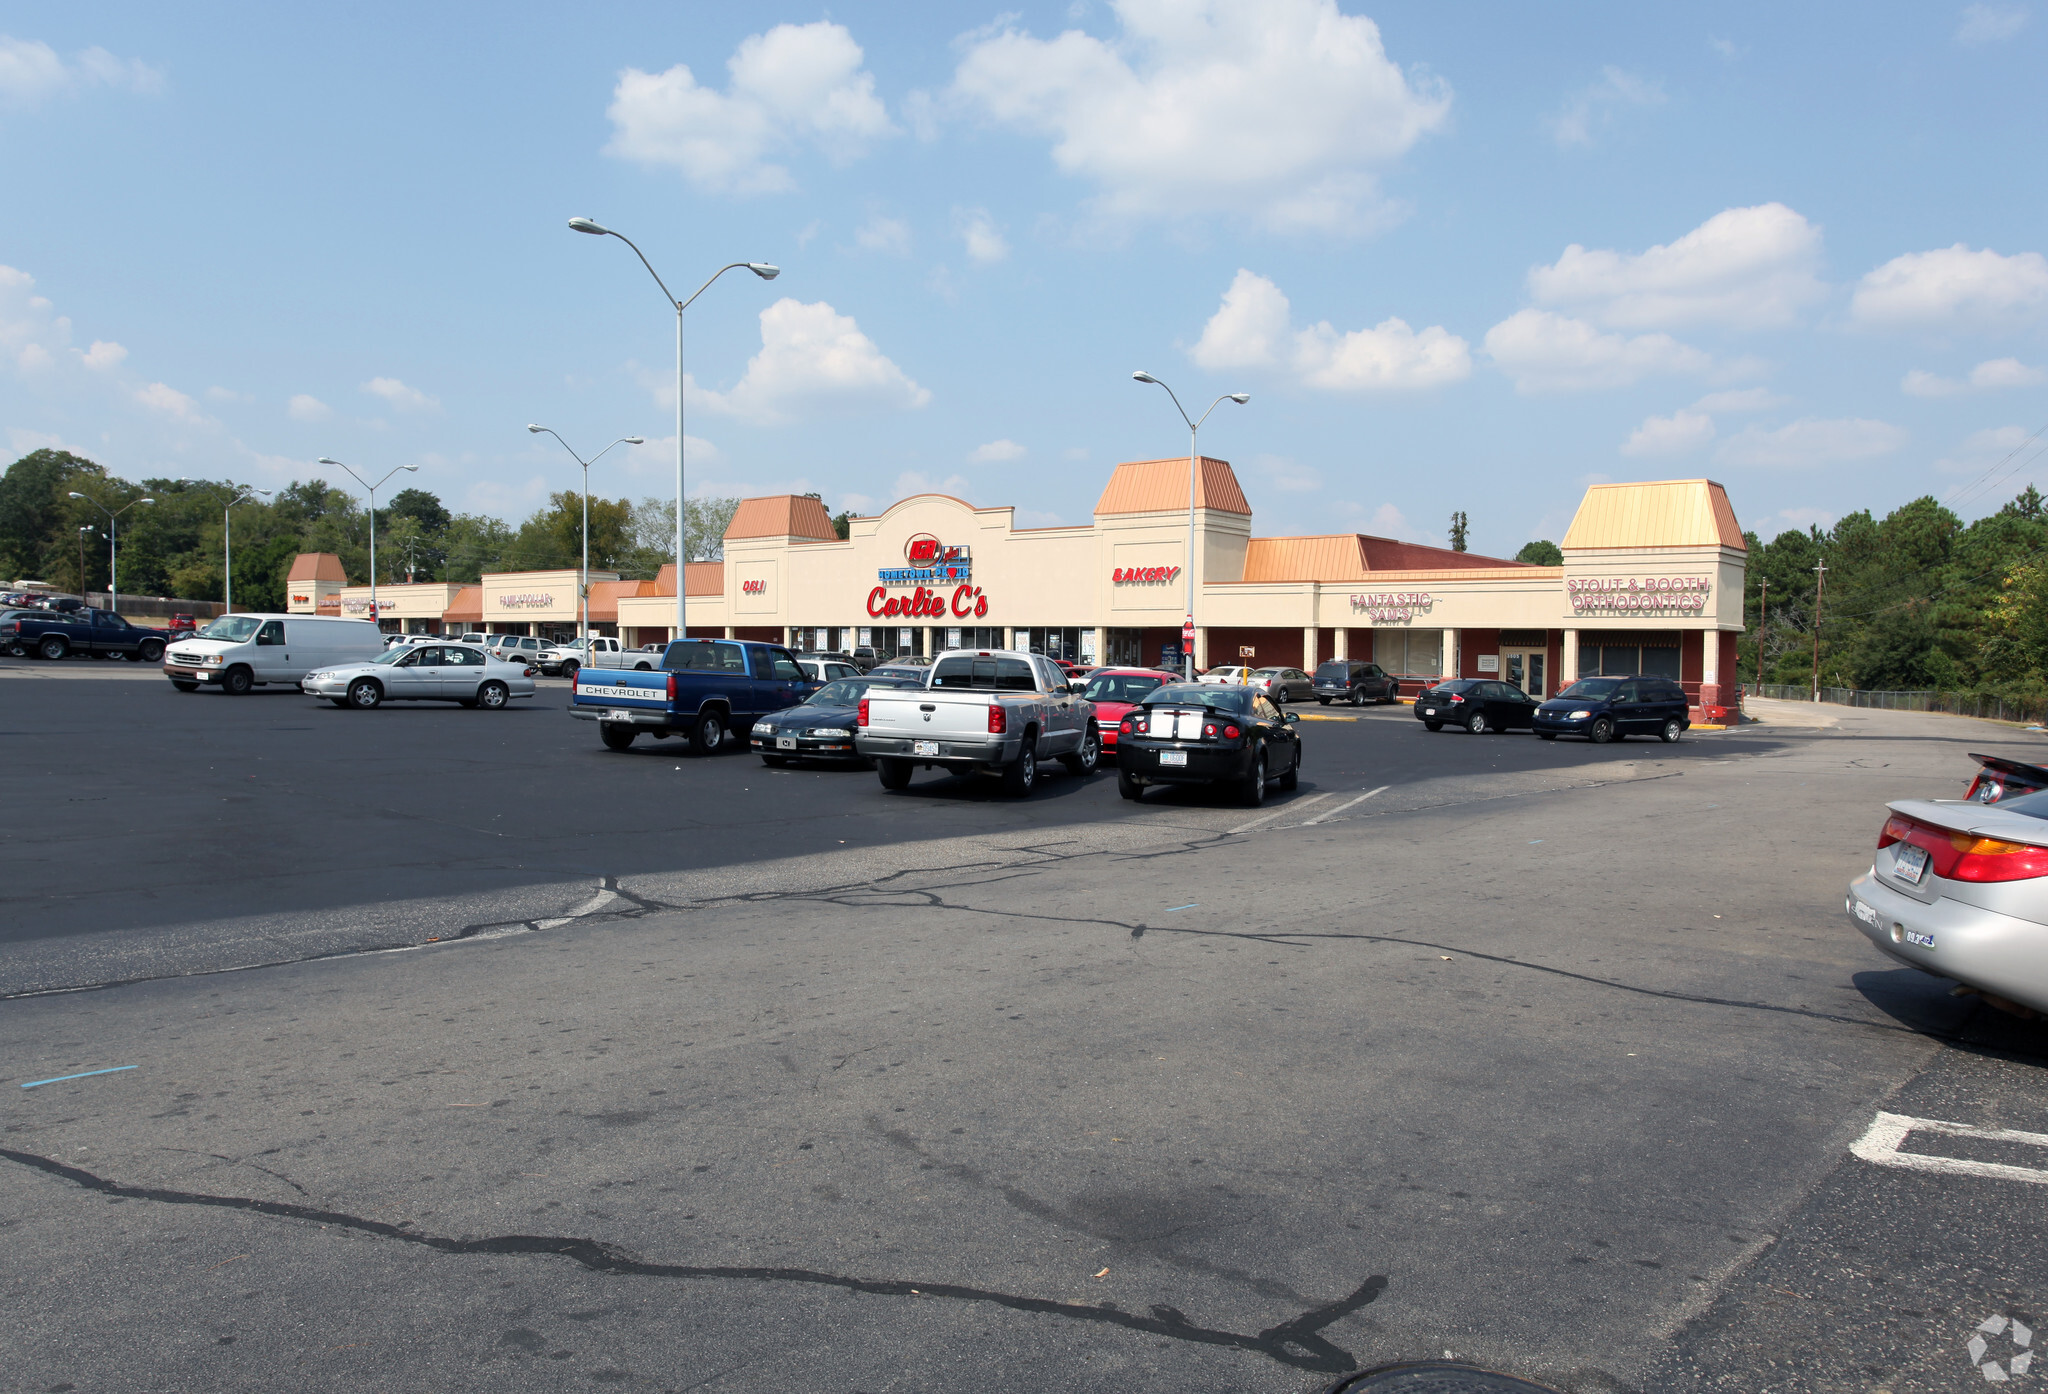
1523,668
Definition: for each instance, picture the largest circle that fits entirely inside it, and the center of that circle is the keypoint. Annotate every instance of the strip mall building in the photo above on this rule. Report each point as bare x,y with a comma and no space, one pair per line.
1652,582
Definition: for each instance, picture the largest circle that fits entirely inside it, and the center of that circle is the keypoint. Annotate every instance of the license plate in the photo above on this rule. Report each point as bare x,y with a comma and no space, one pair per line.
785,742
1173,757
1909,862
621,716
924,747
1429,711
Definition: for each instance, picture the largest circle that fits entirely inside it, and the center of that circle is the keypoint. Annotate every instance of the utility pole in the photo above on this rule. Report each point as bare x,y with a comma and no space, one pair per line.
1763,618
1820,581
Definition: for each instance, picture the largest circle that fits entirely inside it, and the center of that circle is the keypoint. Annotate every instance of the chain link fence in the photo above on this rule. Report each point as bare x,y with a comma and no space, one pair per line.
1987,705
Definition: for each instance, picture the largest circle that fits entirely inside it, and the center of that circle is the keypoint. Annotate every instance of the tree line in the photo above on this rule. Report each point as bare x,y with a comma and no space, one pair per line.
172,547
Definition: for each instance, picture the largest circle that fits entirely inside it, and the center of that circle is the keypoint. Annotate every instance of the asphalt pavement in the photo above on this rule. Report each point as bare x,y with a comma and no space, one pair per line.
575,1068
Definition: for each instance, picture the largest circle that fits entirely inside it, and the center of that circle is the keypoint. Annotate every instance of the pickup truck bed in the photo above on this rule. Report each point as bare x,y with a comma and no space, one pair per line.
981,712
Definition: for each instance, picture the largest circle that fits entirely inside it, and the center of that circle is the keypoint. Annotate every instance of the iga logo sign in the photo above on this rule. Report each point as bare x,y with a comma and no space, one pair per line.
929,562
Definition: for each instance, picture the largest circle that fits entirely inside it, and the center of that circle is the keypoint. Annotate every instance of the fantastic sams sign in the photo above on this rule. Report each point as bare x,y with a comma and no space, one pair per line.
929,565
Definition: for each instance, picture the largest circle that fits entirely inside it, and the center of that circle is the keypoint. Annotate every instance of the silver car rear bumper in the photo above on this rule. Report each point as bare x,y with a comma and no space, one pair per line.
1998,953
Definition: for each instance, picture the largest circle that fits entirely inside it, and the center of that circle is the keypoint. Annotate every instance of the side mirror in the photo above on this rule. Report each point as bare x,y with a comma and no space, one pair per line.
1288,718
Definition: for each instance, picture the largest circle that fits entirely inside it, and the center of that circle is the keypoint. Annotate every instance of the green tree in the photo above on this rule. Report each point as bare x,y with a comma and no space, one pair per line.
1458,531
38,523
1539,553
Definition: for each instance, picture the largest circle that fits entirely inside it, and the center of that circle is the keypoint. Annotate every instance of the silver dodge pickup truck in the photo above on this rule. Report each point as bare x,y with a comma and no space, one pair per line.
985,711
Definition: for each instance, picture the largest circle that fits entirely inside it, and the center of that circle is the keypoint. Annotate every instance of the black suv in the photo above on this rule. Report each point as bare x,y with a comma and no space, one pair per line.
1355,681
1612,709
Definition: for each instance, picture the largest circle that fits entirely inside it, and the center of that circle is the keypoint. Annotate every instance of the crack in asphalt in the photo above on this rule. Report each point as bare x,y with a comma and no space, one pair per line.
1297,1342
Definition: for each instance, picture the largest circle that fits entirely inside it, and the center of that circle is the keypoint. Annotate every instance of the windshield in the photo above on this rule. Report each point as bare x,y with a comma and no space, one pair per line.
1592,689
233,628
2032,805
1174,694
1128,687
843,693
395,655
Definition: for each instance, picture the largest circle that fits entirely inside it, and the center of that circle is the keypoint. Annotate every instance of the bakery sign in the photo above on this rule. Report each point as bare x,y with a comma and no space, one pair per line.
1143,575
527,600
1391,607
1638,595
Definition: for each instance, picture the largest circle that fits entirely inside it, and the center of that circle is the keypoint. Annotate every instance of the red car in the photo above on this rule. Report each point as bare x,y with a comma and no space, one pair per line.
181,624
1114,691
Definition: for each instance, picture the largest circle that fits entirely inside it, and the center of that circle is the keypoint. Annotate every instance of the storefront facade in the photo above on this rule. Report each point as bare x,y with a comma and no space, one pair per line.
1651,582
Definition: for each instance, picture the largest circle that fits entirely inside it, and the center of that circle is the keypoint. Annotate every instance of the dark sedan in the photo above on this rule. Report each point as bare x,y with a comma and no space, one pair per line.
821,726
1207,733
1477,704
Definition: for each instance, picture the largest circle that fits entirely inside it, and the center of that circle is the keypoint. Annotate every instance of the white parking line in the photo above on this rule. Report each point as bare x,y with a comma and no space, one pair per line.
1289,807
1332,813
1880,1144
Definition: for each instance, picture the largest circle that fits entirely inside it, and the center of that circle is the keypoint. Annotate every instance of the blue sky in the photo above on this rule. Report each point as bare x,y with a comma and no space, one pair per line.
1463,257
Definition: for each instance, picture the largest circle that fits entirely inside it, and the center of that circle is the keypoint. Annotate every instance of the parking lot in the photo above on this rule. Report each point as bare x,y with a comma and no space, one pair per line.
465,1048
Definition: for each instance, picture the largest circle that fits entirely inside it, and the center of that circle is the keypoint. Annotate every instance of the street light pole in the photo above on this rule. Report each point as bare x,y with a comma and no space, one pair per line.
113,571
762,269
583,584
1820,581
83,529
372,490
238,493
1194,434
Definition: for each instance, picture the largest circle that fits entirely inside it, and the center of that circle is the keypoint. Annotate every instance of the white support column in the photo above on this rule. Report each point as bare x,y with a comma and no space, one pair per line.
728,633
1343,649
1101,645
1310,637
1710,665
1451,665
1201,648
1568,661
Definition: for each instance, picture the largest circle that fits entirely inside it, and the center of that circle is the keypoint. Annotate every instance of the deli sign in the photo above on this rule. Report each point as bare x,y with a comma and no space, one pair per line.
753,588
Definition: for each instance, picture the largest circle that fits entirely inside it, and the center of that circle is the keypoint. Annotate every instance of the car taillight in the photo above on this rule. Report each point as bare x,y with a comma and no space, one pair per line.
1956,856
1456,698
671,687
1208,729
998,720
1126,726
1231,732
863,711
1895,829
1141,724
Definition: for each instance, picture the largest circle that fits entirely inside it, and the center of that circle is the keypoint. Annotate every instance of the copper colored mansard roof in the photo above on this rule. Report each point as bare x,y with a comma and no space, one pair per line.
704,578
1161,486
1668,513
1351,556
782,515
317,566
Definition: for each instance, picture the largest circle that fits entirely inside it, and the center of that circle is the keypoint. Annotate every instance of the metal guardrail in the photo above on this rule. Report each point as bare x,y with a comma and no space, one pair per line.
1988,705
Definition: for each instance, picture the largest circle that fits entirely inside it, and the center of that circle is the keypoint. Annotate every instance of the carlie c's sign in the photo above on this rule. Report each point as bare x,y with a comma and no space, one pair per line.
527,600
967,602
1395,607
1142,575
1638,594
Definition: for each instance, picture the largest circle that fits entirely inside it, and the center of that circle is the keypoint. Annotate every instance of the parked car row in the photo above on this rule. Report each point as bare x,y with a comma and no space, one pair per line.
56,634
1600,709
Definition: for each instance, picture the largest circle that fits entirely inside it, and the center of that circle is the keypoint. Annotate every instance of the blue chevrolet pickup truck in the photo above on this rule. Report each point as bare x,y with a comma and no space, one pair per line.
703,688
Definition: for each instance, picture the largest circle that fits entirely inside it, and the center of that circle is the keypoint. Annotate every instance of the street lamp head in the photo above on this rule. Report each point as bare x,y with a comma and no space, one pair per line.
636,440
75,494
412,469
88,527
1144,377
595,229
325,461
764,270
264,492
536,429
145,500
1240,397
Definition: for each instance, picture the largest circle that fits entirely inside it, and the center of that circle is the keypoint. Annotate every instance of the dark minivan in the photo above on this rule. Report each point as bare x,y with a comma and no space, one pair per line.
1355,681
1608,709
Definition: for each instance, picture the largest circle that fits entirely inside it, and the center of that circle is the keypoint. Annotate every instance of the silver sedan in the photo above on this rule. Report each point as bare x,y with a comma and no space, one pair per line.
460,673
1960,890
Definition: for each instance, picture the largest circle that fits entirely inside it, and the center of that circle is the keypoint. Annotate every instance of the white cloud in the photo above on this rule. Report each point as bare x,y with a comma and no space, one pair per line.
917,482
1280,111
978,230
1546,352
305,407
880,234
1990,24
31,71
1384,521
225,394
1287,475
797,85
103,355
170,401
401,397
1987,376
1251,329
1727,48
812,356
1811,441
1594,107
1680,433
656,460
995,452
1741,399
1747,268
1953,288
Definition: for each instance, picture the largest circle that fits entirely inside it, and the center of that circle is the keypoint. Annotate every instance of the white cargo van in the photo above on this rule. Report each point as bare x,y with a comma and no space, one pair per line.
239,652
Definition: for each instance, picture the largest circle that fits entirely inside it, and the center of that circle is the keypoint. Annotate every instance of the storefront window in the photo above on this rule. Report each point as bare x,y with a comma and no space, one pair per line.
1409,653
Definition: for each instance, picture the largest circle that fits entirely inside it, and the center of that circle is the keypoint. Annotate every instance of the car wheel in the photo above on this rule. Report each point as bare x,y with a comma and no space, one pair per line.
1546,735
570,669
894,774
1476,723
774,762
1433,725
339,701
237,681
1128,786
616,735
1322,701
1602,732
1084,761
1292,778
1358,697
1671,732
708,734
53,647
1253,791
149,651
184,686
363,693
1021,774
493,696
643,667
